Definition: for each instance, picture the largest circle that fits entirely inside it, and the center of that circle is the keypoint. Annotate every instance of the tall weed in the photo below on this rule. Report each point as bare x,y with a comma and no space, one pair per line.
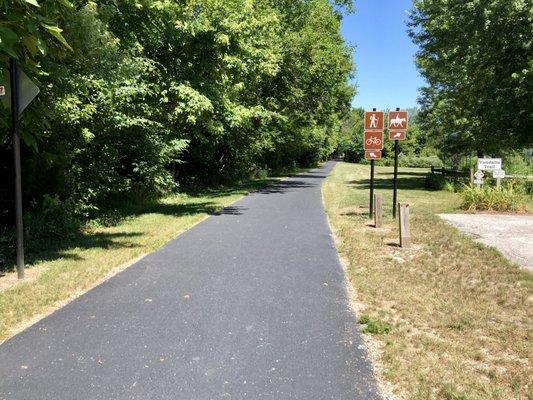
488,198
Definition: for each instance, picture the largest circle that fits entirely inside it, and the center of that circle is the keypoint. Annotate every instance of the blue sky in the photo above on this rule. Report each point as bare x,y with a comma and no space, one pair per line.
384,55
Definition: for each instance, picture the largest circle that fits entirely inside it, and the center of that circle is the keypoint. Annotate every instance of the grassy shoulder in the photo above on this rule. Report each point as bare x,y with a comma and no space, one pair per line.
65,269
452,318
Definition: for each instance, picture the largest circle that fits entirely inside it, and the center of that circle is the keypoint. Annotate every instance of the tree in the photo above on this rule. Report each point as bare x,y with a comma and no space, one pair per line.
476,58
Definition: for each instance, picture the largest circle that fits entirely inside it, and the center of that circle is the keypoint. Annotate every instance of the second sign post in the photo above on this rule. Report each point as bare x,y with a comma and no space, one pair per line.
398,121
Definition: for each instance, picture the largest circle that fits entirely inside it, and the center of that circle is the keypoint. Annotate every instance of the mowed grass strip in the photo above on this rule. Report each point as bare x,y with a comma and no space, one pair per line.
67,269
460,315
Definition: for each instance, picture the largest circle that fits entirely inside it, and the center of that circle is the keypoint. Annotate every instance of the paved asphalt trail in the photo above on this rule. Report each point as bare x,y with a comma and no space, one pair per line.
249,304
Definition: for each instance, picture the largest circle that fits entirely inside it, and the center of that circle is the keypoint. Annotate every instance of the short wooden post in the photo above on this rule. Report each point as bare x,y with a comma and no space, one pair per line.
405,235
498,183
471,177
378,210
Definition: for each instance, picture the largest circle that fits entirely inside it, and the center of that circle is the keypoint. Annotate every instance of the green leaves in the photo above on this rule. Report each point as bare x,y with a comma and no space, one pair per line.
137,94
32,2
472,54
56,32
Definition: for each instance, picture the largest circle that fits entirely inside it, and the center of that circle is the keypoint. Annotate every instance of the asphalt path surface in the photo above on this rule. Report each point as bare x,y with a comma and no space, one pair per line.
248,304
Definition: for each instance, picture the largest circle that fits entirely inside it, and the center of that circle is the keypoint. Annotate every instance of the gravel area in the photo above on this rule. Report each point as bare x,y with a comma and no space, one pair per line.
512,235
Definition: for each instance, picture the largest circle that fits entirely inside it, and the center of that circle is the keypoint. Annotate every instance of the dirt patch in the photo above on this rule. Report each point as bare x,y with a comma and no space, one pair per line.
512,235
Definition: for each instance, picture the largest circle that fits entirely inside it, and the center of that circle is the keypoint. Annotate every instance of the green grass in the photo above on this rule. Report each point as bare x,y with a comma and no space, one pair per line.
459,314
63,269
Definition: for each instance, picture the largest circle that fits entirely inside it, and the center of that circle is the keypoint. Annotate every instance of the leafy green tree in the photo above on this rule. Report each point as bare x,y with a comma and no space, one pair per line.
476,58
137,95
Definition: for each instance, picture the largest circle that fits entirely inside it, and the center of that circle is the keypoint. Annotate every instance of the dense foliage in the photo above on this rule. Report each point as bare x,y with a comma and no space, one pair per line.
417,150
476,56
139,95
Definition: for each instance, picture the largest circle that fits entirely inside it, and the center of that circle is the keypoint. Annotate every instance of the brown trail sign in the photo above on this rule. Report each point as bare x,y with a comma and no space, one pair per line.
398,120
373,140
373,143
397,135
374,121
373,155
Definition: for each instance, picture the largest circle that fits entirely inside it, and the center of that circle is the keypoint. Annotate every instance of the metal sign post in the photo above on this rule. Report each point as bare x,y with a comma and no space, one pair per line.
397,127
14,80
373,144
17,91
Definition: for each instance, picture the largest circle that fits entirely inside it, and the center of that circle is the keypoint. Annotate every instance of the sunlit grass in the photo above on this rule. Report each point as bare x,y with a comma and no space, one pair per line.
459,313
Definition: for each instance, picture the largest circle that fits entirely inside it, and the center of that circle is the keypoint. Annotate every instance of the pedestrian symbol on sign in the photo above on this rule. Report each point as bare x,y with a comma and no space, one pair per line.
374,120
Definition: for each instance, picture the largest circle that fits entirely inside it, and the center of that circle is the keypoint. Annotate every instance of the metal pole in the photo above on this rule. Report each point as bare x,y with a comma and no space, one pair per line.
395,181
371,189
14,77
371,205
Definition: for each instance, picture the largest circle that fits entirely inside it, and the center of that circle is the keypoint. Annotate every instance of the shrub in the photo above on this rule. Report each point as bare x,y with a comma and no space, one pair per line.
438,182
55,219
374,327
488,198
420,162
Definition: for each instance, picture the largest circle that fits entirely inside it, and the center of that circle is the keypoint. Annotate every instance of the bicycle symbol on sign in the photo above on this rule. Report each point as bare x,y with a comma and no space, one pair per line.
373,140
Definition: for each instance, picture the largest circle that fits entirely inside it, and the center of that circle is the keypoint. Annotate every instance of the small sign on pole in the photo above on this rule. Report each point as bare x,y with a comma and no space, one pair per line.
479,178
372,155
498,174
489,163
2,90
398,120
373,140
397,135
374,121
27,90
479,175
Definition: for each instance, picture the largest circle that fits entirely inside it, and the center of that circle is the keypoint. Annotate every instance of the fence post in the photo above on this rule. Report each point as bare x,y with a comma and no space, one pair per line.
378,210
405,235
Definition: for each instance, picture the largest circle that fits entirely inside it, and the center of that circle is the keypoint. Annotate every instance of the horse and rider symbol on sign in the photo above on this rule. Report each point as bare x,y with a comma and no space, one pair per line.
398,120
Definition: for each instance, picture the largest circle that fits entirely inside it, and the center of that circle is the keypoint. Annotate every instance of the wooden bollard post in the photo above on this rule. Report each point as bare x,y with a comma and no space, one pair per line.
405,235
378,210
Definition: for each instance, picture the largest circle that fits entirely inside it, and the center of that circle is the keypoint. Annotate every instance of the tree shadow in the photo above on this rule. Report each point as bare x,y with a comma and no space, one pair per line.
410,183
284,187
313,176
231,210
49,249
406,173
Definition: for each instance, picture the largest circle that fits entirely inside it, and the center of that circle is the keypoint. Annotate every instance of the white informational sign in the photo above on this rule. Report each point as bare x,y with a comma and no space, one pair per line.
479,175
2,90
478,181
489,163
498,174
